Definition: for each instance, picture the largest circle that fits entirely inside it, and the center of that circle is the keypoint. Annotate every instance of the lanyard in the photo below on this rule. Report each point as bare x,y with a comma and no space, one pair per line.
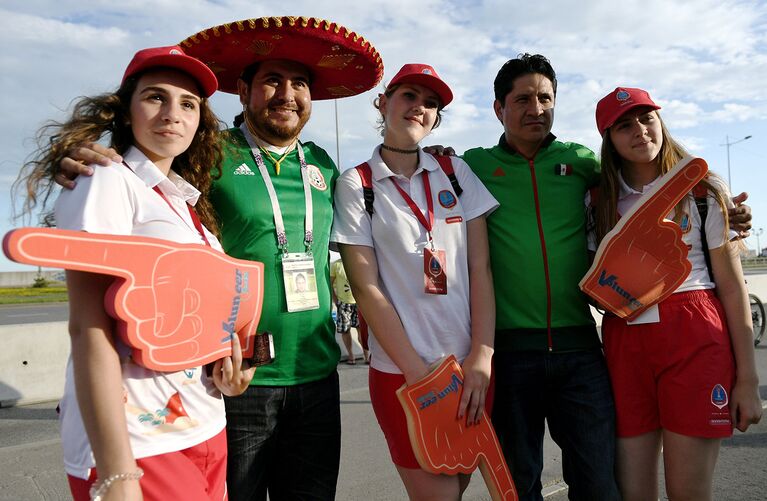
279,225
427,224
192,213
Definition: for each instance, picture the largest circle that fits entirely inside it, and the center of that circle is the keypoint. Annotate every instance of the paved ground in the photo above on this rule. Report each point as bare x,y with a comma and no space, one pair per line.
30,454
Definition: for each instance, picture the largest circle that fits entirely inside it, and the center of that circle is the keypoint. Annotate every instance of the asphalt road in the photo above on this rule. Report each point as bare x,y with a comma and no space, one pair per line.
33,313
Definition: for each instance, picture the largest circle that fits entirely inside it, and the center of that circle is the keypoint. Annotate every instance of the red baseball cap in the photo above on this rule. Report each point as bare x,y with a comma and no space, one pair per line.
423,74
611,107
173,57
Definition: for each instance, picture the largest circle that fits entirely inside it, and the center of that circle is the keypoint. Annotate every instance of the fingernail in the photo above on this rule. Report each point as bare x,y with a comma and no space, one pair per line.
88,171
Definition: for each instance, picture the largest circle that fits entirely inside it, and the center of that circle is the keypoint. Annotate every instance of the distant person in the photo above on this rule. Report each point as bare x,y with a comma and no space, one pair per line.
683,374
418,264
346,310
125,428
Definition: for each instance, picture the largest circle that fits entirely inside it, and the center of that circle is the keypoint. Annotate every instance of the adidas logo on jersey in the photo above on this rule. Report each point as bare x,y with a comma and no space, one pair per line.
243,170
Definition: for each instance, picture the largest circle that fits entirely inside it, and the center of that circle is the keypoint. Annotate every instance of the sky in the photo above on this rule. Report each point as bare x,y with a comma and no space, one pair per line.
703,61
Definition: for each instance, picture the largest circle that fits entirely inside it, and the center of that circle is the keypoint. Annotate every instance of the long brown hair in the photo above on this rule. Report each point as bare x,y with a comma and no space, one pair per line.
94,117
670,153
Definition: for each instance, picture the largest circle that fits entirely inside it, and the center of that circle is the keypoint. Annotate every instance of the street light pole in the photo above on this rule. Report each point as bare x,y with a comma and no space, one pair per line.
728,144
338,140
758,233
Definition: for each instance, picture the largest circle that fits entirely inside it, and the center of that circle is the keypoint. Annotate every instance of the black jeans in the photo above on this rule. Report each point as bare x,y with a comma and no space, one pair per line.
572,392
284,439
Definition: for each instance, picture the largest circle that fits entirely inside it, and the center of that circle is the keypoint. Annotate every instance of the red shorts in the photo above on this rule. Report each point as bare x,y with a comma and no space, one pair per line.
676,374
194,474
391,417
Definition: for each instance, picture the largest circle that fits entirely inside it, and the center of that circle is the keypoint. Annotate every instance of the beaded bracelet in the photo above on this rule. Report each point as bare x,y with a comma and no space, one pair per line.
101,487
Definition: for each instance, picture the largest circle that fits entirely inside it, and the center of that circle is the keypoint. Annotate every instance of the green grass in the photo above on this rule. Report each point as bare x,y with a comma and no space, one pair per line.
21,295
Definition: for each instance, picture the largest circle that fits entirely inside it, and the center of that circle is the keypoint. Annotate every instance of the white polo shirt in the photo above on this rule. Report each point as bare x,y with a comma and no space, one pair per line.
437,325
690,225
165,411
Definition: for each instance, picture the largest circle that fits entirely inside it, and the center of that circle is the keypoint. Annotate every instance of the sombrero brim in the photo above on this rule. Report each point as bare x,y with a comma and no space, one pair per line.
341,62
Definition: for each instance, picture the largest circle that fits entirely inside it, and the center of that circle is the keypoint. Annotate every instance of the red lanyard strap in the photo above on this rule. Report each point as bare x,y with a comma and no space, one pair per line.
192,214
427,224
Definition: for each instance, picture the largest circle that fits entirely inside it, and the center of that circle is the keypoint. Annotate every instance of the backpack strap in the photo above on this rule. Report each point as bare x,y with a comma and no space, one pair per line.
700,193
366,176
447,167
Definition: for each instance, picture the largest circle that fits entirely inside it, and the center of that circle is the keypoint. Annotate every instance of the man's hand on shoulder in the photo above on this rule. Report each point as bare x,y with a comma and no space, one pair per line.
78,161
440,150
740,216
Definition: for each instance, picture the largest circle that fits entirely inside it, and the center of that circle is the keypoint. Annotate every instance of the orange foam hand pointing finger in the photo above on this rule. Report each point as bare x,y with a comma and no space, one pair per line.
442,442
176,305
643,259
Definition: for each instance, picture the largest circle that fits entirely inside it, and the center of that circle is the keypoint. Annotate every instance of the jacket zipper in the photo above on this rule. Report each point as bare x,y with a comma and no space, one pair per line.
531,163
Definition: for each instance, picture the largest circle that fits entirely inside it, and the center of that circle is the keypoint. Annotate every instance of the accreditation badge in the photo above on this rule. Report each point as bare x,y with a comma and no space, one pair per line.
300,282
434,272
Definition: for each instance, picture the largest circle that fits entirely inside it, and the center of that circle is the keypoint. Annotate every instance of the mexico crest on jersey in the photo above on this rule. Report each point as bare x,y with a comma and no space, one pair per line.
316,179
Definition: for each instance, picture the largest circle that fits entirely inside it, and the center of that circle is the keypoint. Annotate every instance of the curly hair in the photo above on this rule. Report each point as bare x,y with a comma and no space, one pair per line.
92,118
670,153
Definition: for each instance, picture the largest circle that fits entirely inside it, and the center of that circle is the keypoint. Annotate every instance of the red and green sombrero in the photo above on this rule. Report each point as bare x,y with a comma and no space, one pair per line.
342,62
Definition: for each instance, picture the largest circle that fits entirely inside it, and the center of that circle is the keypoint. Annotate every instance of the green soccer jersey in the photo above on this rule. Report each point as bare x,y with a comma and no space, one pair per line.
538,243
304,342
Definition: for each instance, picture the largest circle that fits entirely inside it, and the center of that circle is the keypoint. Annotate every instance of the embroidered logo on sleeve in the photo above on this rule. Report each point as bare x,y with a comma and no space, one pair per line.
446,199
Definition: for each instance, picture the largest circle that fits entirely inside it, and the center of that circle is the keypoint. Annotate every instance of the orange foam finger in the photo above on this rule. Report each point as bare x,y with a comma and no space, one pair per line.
643,259
442,442
176,305
90,252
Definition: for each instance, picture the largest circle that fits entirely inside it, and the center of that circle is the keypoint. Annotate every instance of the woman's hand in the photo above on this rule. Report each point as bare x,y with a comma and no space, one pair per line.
416,372
476,380
745,405
230,374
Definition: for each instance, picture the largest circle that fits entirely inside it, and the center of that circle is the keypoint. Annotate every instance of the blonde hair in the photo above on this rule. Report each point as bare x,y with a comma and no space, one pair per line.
670,153
389,91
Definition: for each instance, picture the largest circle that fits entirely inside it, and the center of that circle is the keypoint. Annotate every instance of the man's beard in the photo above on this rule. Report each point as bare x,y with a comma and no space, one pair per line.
268,130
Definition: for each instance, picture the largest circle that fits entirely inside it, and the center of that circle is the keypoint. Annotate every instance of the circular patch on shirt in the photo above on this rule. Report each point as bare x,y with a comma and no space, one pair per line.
316,178
446,199
685,223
